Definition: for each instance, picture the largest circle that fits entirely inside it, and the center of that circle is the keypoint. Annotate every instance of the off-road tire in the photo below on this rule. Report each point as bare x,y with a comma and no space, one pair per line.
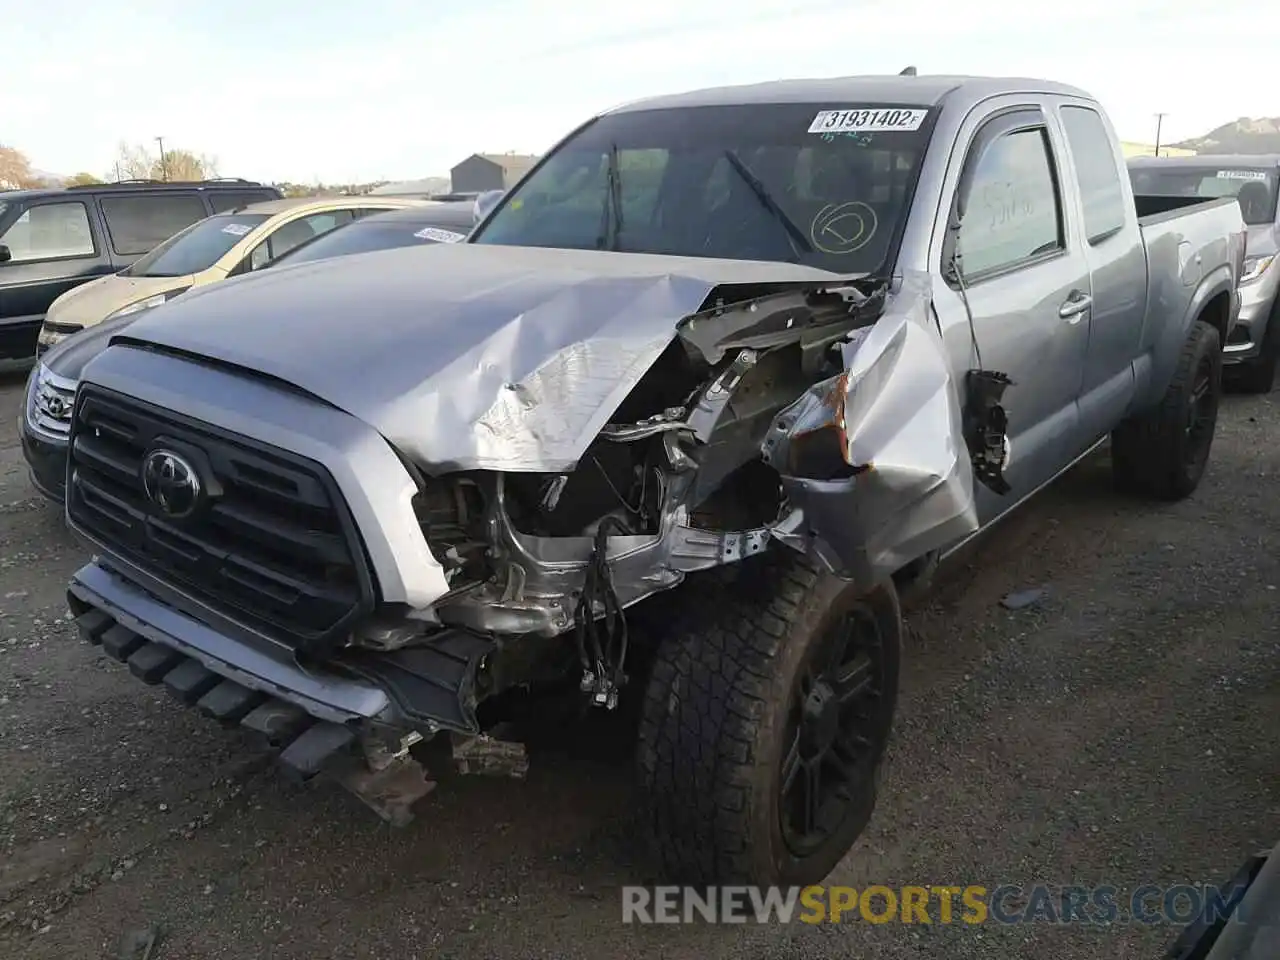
1153,454
716,707
1258,375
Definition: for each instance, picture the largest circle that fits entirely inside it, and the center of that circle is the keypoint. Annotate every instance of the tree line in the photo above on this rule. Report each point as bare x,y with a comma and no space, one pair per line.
138,162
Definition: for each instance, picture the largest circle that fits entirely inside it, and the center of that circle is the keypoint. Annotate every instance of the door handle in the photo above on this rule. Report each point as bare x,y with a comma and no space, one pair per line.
1075,305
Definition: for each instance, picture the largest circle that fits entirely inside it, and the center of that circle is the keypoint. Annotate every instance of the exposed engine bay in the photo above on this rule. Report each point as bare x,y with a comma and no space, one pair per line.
795,416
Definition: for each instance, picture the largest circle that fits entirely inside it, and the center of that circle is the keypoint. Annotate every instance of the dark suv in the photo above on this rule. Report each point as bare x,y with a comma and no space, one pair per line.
54,239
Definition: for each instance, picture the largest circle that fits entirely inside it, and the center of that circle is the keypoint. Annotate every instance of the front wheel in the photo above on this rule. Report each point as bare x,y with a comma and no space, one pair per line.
765,722
1163,453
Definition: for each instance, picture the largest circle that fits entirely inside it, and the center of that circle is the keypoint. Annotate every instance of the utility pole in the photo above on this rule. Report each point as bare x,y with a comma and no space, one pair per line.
1159,123
117,171
164,167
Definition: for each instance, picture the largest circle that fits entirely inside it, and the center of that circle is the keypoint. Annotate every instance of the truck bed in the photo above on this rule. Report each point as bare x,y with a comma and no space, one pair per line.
1191,243
1150,207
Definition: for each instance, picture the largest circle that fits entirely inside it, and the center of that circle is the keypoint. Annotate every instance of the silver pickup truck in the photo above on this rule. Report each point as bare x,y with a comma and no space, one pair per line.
1252,352
791,342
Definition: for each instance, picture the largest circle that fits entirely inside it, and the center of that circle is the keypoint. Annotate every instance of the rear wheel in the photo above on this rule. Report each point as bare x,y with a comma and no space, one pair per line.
1163,452
764,725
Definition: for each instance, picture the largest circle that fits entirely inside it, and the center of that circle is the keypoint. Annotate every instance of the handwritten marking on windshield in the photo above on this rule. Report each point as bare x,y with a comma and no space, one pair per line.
861,139
841,228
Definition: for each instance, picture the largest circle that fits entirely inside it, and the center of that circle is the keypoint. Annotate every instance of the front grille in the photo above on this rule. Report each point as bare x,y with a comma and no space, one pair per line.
273,546
51,403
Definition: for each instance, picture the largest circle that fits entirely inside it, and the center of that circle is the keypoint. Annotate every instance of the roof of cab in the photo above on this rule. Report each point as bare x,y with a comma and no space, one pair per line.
906,90
216,185
10,195
1210,160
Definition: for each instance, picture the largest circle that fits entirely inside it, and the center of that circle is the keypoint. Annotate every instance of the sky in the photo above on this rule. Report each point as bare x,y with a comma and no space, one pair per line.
339,92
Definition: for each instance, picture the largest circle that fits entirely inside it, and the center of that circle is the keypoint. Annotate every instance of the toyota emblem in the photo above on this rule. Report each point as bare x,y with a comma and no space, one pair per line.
56,406
171,483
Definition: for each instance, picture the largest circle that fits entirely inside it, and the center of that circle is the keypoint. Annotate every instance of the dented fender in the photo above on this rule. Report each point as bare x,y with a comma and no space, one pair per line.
873,461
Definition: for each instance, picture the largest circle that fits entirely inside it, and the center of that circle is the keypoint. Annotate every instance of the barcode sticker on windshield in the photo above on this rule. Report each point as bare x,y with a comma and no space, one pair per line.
439,236
1241,175
883,120
237,229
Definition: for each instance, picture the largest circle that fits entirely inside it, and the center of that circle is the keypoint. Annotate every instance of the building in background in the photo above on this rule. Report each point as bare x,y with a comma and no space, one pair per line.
426,187
490,171
1132,149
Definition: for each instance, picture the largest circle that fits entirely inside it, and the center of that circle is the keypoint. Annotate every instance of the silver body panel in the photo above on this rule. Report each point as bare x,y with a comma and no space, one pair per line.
465,357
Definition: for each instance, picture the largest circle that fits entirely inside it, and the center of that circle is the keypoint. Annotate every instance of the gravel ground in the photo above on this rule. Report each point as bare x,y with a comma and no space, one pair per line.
1120,731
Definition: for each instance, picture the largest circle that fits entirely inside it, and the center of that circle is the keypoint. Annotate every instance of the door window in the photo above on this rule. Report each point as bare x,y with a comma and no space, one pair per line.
294,234
137,224
1096,170
50,231
1013,213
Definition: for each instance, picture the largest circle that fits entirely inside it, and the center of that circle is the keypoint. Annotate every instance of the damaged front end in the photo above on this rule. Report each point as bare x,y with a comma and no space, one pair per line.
825,418
820,414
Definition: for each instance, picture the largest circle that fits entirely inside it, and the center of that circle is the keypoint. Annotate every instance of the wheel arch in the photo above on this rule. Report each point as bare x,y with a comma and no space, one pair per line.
1213,301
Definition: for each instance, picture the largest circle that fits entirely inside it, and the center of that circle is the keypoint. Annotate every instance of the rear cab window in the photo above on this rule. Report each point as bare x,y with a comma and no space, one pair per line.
1097,172
137,224
1013,204
824,184
48,230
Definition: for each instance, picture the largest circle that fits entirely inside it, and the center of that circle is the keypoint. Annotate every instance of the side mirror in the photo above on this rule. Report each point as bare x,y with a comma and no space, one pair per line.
485,202
5,254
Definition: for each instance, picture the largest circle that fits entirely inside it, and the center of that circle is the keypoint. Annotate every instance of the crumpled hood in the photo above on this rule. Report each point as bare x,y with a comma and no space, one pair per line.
93,302
465,356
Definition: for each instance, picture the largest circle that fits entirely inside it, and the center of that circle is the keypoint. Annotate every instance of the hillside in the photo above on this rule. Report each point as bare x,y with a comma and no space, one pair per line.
1241,136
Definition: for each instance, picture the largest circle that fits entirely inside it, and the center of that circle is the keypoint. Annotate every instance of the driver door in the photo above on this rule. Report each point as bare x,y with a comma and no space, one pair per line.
1018,301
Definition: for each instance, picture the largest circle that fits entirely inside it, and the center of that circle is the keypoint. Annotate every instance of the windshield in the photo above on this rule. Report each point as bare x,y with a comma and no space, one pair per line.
821,184
196,248
366,237
1255,188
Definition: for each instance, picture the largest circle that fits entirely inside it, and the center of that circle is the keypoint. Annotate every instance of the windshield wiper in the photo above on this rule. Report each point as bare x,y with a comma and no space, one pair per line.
800,244
611,214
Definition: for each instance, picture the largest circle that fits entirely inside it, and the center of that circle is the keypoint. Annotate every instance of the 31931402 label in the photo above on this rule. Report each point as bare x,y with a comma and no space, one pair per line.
863,120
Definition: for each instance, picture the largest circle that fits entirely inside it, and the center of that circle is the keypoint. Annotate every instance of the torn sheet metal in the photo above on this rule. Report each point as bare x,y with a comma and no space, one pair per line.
761,324
477,356
542,575
906,485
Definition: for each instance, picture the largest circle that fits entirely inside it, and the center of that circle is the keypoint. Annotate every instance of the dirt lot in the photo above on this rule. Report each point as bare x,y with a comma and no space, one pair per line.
1121,731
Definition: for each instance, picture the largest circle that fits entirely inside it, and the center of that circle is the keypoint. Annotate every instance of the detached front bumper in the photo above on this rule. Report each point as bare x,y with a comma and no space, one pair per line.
311,716
322,721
